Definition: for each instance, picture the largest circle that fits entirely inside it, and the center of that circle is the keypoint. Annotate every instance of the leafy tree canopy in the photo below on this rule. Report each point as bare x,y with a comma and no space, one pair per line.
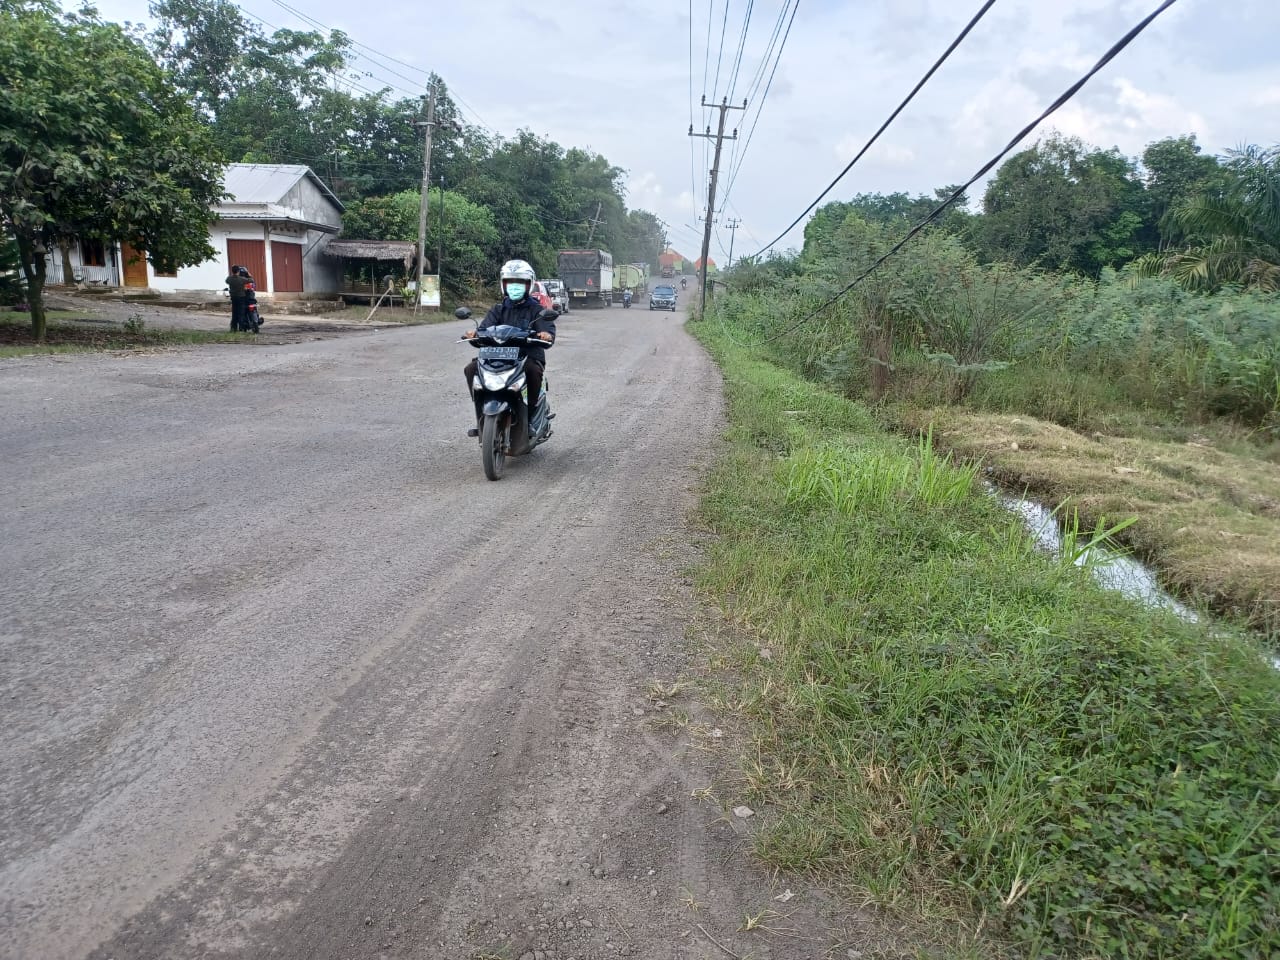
96,142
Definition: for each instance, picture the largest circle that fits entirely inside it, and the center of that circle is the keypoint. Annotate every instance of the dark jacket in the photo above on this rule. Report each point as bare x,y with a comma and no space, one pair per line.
235,283
524,315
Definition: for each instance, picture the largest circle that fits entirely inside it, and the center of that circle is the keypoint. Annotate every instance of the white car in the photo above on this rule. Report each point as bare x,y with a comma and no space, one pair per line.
559,295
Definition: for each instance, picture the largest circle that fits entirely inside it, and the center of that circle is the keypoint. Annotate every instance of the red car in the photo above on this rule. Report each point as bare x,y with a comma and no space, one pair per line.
539,293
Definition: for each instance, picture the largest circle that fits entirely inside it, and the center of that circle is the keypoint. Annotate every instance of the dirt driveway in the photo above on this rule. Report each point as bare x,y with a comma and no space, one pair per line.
284,676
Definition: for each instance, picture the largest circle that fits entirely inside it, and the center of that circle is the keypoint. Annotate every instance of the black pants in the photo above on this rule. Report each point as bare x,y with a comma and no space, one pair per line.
239,312
532,375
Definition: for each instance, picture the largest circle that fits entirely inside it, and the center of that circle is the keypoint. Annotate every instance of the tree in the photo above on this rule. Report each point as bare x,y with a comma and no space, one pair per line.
95,142
1233,236
1063,206
1176,171
469,238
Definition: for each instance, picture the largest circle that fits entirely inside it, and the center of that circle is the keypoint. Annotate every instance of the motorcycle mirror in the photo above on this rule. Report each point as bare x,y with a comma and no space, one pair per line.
462,313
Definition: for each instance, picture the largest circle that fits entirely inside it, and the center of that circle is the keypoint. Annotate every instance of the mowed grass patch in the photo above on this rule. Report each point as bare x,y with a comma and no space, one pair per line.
1209,519
963,729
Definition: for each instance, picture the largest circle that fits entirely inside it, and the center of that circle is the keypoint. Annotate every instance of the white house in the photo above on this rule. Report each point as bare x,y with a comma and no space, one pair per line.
276,222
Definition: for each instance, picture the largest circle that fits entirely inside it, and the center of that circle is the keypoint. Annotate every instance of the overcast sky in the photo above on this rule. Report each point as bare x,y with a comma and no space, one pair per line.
616,77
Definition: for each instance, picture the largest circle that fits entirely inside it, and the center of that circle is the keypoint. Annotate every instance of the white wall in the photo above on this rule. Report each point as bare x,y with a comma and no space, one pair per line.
211,276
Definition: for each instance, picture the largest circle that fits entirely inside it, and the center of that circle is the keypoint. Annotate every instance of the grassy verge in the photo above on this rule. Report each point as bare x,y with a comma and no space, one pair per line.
64,337
963,729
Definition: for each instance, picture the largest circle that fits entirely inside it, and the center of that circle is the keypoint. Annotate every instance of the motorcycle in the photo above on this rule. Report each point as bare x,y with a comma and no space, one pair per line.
504,424
626,299
683,283
252,321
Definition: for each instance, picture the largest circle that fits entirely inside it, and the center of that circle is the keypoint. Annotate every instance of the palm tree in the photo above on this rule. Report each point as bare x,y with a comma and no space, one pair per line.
1232,238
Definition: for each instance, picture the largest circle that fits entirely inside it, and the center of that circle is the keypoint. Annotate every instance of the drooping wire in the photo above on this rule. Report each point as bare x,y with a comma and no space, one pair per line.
1066,95
884,126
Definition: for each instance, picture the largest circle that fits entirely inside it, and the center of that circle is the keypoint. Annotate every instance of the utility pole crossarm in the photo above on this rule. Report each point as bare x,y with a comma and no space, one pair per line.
724,107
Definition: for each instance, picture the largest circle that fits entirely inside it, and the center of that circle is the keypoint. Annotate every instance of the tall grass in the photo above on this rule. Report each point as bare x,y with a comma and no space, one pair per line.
963,728
933,325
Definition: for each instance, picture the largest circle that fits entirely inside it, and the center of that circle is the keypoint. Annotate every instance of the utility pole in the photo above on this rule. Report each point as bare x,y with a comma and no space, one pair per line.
733,226
724,108
595,221
426,188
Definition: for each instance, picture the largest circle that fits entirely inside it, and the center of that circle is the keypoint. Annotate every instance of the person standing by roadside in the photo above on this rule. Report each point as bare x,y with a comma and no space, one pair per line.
236,283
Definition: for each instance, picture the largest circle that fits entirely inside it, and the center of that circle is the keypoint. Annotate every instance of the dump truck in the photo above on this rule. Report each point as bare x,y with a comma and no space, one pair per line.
588,276
633,276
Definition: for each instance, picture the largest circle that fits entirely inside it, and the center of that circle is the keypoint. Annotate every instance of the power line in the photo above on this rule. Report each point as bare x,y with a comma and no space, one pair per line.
884,126
1017,138
724,22
733,173
742,42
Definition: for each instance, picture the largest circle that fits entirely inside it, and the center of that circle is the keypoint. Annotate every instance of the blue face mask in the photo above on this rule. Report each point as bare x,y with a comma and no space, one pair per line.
516,291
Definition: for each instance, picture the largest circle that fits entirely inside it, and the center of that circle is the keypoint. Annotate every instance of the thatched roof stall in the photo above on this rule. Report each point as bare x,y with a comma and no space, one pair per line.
402,250
365,259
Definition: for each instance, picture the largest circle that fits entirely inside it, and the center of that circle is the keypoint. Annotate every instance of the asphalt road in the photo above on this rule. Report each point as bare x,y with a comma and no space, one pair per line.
284,676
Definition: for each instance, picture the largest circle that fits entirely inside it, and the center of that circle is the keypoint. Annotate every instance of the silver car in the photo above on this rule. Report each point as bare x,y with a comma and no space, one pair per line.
558,294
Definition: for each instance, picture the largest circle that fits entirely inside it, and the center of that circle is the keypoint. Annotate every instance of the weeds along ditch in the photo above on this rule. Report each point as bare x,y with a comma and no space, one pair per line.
966,730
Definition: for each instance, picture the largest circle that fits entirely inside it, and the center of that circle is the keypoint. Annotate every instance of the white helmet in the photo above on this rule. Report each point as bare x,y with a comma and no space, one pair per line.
517,270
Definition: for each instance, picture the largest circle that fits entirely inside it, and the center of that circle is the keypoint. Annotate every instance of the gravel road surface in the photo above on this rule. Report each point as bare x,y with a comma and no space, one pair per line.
282,675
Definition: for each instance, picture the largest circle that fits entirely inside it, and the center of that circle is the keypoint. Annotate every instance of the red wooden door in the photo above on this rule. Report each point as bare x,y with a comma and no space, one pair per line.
286,267
250,254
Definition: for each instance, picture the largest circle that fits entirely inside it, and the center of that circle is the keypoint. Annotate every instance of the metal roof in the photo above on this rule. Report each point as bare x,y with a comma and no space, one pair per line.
269,182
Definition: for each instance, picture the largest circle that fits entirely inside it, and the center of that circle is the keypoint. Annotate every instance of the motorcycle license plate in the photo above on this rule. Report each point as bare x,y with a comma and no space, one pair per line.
499,353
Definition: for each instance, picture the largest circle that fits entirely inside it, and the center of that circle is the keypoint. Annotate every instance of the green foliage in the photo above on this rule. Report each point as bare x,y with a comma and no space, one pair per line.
968,727
469,234
1233,234
95,142
1063,206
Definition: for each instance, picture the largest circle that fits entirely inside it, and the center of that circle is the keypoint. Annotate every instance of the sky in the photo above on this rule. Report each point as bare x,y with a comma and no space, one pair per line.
625,79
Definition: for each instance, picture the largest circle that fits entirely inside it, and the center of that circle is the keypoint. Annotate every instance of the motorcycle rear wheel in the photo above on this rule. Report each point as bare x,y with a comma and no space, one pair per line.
493,452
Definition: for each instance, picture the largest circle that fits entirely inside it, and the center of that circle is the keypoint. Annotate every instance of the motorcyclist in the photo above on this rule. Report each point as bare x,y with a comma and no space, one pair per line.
683,282
236,287
519,309
626,297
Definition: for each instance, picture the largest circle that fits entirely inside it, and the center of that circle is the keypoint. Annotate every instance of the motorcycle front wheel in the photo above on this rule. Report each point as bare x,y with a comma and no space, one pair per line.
493,447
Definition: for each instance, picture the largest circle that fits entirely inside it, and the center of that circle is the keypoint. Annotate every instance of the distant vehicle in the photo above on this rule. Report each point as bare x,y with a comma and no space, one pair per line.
559,295
663,297
541,294
630,276
668,271
588,274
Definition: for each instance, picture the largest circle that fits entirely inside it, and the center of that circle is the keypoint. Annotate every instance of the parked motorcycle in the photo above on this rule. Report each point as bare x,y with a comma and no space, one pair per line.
504,423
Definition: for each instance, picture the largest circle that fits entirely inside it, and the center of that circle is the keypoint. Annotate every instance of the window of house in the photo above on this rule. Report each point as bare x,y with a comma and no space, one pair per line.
93,253
159,274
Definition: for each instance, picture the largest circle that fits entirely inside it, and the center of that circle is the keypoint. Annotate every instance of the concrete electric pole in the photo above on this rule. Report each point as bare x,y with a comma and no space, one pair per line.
429,123
724,108
733,226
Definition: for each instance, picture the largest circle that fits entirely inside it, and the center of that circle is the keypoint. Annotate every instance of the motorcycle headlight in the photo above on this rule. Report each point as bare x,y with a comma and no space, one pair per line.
493,381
